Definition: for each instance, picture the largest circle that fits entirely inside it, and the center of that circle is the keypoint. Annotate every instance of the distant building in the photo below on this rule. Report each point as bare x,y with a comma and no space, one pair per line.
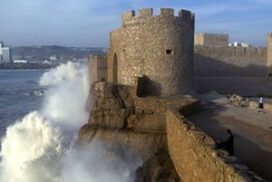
53,58
20,61
5,54
239,44
1,45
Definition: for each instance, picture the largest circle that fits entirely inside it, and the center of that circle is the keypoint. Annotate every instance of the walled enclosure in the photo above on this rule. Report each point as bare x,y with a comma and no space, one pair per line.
229,69
124,120
159,48
97,68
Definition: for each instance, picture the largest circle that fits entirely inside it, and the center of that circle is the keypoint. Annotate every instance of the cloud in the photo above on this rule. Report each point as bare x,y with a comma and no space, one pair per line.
88,22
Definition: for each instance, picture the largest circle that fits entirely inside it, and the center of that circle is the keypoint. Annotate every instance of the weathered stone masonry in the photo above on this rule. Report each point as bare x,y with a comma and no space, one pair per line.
144,126
159,48
229,69
97,68
194,156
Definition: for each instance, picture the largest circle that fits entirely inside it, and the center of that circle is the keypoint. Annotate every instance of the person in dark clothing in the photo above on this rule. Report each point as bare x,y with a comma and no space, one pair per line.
227,144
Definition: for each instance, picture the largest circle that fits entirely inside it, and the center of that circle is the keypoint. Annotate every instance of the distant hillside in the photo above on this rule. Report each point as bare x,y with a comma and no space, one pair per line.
36,53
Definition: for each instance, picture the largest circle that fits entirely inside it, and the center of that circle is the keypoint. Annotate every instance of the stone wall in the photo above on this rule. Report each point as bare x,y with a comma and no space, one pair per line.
143,126
211,39
230,61
115,56
97,68
229,70
157,47
195,159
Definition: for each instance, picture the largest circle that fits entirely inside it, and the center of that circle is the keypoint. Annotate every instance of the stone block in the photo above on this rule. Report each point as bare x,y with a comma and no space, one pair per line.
147,122
112,119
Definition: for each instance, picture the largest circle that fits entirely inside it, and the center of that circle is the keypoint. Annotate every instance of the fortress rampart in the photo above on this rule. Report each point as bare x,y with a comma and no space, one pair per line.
233,69
194,157
155,52
221,61
97,68
124,120
159,48
160,51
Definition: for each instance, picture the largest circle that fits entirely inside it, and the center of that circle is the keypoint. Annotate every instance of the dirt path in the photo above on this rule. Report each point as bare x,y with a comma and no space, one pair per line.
252,130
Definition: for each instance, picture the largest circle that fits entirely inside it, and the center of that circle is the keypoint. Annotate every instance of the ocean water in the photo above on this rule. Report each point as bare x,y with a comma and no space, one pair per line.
20,93
40,115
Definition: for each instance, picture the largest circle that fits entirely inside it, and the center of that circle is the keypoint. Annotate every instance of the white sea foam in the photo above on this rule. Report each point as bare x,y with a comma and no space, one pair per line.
39,148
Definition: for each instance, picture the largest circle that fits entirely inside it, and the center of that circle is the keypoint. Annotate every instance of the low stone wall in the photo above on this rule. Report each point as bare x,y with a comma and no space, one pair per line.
230,61
194,157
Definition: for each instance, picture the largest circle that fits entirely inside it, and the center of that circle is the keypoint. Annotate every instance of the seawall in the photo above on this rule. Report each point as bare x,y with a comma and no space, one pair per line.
194,157
147,125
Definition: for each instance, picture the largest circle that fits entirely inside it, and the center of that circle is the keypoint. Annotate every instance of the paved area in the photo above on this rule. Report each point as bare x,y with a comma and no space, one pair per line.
252,131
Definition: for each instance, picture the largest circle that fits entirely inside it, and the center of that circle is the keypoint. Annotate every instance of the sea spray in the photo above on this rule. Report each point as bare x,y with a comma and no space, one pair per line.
40,147
65,100
30,151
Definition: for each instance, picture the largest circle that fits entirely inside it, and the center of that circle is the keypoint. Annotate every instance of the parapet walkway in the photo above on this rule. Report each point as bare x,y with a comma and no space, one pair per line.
252,131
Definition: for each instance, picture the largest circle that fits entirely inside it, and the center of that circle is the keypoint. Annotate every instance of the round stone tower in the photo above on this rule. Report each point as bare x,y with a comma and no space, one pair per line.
157,48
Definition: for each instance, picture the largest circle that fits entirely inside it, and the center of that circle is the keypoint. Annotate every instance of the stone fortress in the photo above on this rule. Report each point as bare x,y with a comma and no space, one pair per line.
141,92
158,49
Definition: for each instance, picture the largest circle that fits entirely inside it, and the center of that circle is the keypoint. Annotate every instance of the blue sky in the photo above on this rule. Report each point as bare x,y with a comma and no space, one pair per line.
88,22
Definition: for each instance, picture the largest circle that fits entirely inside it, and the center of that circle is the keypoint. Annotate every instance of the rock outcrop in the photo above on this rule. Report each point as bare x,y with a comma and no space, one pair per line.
123,120
155,130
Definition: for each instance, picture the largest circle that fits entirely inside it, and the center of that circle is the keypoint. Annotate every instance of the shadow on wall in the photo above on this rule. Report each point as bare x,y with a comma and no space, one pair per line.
225,78
208,66
147,87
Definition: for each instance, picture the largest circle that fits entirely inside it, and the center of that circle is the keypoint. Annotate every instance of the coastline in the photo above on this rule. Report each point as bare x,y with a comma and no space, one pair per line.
28,66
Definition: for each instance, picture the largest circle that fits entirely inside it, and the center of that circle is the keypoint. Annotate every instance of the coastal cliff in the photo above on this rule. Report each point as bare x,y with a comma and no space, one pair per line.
124,121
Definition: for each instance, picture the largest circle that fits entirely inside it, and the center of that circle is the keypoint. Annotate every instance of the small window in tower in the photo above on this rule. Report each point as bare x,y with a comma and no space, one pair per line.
270,74
169,51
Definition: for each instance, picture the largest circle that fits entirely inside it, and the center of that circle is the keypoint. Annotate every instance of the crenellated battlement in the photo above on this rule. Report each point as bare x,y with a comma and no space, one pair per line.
146,12
186,14
165,13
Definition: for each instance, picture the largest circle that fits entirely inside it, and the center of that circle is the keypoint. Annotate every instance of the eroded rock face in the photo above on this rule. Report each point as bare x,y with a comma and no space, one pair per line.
114,119
123,120
158,168
113,104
